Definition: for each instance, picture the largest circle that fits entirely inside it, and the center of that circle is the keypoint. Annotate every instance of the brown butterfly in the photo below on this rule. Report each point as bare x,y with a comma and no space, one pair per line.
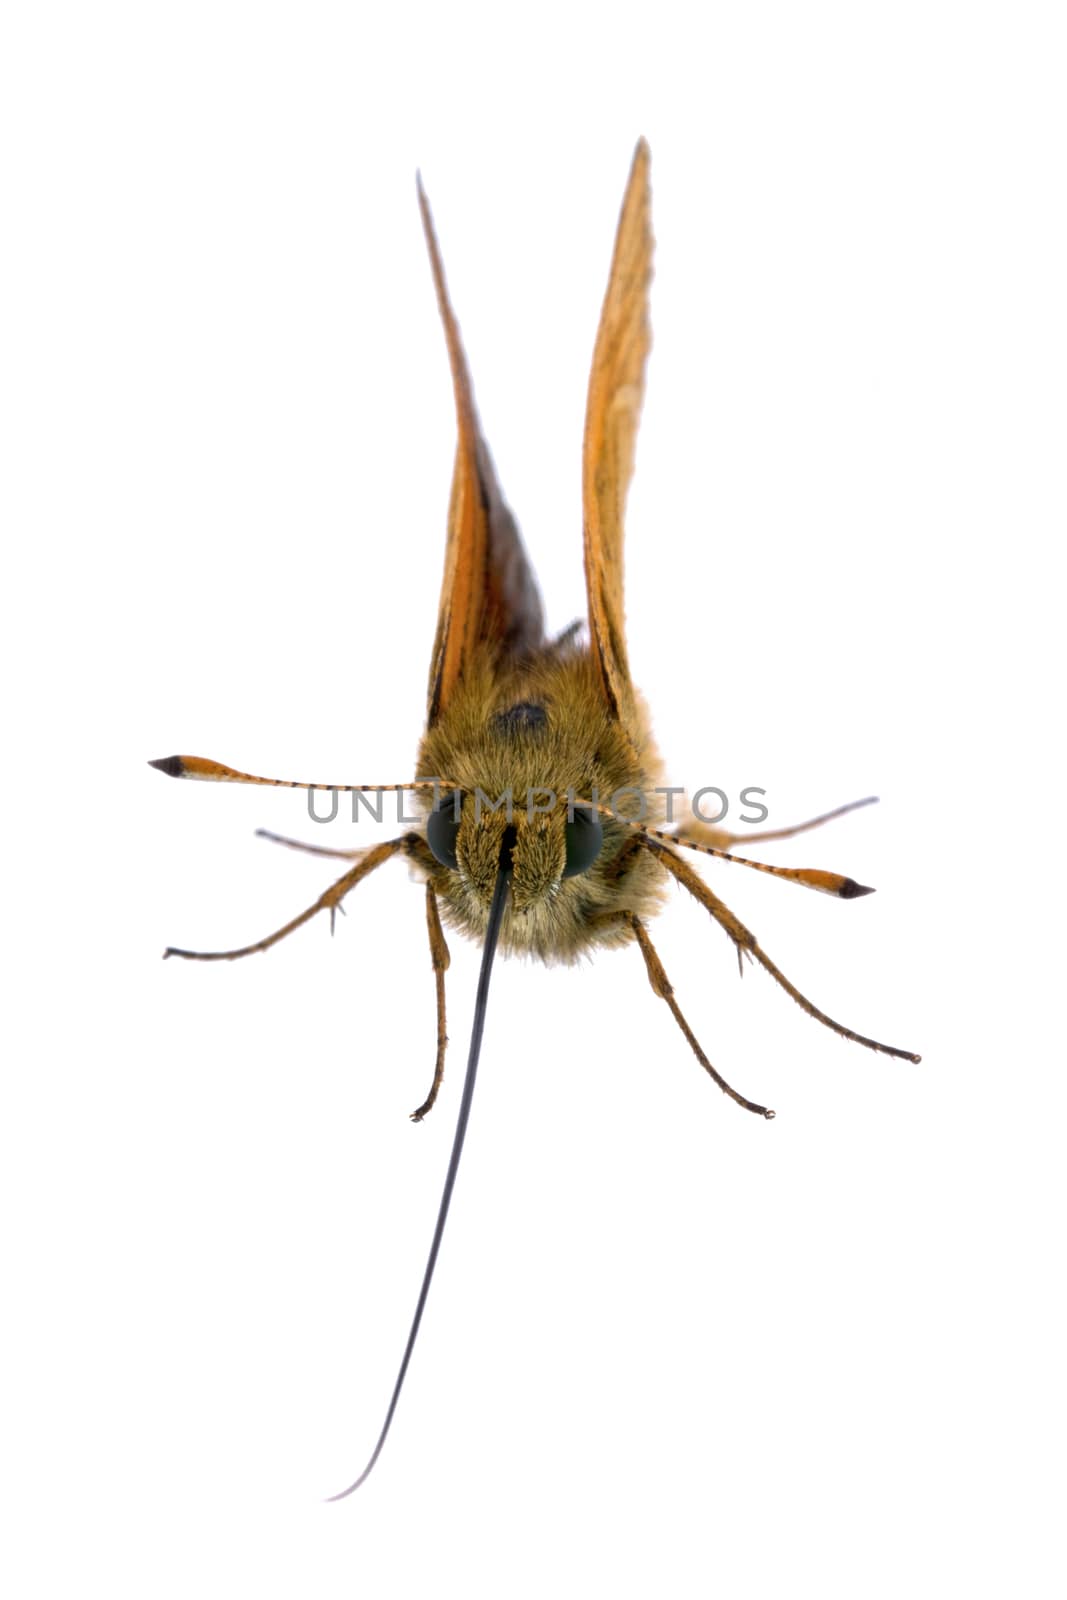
537,751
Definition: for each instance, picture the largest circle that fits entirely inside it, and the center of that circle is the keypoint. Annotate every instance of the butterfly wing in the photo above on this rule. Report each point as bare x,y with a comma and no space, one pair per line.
616,386
489,595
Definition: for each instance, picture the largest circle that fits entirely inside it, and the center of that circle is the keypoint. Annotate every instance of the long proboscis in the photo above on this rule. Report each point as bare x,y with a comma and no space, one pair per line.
496,915
833,883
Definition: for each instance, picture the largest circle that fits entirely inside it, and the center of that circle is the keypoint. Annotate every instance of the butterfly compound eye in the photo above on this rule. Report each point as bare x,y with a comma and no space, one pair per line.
442,831
584,837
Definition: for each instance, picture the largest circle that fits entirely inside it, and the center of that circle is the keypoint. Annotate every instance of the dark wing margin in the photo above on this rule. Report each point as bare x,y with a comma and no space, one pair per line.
489,595
616,387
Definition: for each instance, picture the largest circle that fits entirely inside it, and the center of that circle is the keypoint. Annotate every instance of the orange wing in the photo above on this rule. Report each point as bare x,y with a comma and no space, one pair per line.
489,595
616,386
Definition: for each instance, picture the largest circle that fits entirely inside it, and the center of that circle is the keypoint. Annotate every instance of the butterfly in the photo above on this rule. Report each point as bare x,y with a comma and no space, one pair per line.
537,751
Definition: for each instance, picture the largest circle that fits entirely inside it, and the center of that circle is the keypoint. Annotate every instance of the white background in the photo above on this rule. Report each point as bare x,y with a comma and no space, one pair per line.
671,1349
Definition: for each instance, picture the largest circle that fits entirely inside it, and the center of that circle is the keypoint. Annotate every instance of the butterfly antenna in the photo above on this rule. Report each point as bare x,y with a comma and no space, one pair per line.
492,932
205,770
834,883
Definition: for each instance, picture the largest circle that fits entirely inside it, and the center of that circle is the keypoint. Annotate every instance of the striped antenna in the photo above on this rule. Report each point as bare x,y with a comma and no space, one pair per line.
215,772
834,883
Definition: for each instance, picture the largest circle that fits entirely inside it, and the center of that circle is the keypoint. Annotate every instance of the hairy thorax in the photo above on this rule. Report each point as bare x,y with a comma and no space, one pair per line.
533,735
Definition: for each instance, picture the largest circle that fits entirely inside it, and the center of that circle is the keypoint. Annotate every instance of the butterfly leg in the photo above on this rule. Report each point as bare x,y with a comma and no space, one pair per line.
440,958
661,985
309,849
694,831
746,941
329,901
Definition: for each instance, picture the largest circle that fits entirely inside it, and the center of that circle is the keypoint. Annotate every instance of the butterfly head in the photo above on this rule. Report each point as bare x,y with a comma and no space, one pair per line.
548,845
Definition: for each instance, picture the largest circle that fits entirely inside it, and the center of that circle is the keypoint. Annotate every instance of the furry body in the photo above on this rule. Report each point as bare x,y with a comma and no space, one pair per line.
577,748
